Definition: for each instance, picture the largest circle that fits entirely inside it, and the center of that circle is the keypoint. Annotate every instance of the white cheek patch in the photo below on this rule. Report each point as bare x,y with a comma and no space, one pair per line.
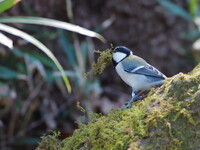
118,56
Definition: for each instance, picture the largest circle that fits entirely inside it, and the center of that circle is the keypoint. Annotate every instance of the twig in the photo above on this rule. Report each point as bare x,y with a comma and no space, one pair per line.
32,95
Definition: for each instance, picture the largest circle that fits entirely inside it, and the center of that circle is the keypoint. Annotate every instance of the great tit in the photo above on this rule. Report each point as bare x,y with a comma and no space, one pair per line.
135,72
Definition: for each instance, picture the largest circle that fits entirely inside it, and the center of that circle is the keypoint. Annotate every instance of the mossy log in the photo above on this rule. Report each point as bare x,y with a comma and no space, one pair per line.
169,118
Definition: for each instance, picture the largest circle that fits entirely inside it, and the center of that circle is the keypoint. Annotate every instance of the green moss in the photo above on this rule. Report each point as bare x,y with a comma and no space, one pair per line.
50,142
169,118
103,61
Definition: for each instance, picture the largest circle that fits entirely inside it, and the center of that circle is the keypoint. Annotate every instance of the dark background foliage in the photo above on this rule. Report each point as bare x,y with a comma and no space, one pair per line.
30,110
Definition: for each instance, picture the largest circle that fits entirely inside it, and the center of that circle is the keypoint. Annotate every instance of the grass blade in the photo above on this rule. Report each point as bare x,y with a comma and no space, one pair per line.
175,9
6,41
34,55
7,73
53,23
68,48
38,44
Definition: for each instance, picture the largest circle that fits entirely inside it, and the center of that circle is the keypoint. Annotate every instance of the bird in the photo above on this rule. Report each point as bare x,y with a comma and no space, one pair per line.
135,72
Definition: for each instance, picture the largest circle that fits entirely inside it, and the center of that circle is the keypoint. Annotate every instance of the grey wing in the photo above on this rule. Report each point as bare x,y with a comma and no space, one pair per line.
147,70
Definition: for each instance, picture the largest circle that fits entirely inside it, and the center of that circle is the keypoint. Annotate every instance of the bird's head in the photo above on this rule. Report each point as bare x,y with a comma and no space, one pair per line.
120,53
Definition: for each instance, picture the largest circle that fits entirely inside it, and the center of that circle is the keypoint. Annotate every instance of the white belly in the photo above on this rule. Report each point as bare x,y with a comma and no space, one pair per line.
136,81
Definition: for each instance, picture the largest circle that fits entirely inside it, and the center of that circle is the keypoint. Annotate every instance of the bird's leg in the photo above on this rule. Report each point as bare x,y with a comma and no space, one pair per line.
135,96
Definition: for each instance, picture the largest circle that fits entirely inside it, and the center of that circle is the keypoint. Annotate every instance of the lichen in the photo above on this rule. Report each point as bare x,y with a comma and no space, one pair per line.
169,118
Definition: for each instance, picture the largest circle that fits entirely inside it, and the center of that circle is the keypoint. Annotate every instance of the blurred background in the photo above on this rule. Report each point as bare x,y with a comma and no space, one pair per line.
33,98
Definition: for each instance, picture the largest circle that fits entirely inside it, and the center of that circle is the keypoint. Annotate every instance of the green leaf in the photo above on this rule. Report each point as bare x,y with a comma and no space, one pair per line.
43,59
175,9
7,73
38,44
53,23
84,49
6,4
68,48
193,6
